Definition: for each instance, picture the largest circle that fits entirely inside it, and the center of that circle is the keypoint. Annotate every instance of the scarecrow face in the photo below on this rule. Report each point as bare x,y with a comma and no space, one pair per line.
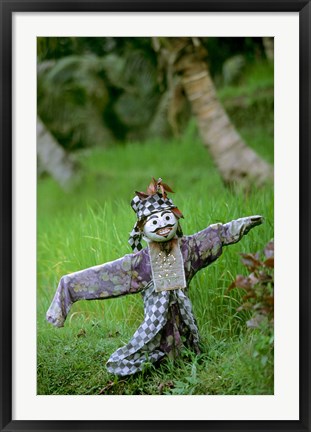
161,226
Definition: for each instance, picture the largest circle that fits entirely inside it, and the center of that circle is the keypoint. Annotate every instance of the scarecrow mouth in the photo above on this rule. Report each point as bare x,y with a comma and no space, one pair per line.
163,231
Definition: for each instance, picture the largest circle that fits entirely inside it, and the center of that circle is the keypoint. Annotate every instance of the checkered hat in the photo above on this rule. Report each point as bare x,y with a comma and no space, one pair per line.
154,203
144,205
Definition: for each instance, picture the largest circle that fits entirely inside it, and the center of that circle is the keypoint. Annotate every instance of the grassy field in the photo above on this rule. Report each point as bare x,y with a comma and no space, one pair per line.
89,225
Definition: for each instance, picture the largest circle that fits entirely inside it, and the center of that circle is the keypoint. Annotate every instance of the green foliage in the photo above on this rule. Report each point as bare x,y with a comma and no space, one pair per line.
250,105
89,100
71,99
220,49
98,91
90,225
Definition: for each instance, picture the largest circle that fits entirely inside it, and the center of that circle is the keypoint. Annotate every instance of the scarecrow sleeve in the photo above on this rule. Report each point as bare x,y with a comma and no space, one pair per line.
206,245
126,275
233,231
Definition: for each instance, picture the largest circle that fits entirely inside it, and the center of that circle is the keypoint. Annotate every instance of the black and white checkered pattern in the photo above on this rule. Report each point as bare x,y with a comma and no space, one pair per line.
185,309
135,239
145,343
144,208
154,203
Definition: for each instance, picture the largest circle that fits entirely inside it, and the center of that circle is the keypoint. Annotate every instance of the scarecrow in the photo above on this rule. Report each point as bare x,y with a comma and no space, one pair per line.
161,272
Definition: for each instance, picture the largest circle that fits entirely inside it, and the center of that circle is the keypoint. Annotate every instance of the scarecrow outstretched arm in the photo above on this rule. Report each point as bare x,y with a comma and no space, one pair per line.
112,279
233,231
206,245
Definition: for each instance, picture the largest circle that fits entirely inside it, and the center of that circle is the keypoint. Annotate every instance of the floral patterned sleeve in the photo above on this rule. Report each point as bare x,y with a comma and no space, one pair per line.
233,231
206,245
116,278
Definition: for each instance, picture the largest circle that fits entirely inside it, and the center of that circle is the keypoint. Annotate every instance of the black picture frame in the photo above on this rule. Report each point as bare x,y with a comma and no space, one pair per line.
8,8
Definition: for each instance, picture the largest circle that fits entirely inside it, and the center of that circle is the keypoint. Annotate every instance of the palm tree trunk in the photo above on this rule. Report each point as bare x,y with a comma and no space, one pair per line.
52,158
236,162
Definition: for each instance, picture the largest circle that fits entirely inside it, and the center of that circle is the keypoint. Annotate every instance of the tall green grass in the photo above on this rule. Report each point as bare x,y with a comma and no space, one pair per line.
89,225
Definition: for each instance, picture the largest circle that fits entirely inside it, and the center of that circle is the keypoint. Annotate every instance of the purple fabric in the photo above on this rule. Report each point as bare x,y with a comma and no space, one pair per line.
132,274
129,274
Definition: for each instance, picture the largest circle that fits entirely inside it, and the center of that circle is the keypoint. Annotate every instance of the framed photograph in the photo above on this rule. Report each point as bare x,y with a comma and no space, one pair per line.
210,100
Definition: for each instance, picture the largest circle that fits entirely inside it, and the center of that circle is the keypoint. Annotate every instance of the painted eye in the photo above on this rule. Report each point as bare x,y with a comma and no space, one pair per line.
167,218
154,222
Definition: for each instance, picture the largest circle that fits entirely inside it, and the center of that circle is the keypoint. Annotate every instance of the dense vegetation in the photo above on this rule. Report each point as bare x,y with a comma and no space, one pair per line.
98,91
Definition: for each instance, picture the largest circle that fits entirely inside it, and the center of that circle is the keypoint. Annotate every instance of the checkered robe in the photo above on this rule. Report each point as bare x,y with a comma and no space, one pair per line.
168,322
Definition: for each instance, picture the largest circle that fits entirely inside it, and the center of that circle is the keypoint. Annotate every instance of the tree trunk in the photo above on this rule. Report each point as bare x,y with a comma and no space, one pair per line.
268,44
52,158
236,162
